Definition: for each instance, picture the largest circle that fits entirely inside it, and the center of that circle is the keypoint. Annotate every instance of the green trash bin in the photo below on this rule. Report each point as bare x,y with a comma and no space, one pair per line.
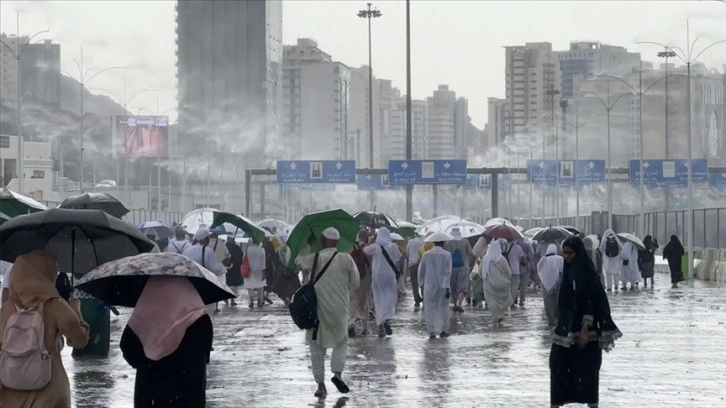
684,267
98,317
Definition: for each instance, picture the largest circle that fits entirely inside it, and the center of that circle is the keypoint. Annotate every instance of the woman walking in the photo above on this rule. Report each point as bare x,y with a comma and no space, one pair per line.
168,340
646,261
584,329
549,270
674,252
32,285
496,281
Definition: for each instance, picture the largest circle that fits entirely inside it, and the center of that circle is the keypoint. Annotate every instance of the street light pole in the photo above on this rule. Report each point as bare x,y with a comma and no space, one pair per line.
83,80
409,120
18,54
370,13
551,93
688,59
608,108
666,54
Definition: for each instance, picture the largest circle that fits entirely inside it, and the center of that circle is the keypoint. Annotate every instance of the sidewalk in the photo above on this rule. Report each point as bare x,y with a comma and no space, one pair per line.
673,354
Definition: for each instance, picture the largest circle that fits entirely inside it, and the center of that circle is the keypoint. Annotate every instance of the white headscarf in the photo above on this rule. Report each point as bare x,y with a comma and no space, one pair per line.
493,255
383,237
608,234
550,268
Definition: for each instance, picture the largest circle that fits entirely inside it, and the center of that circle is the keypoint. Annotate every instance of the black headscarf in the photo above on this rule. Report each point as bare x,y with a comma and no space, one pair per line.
582,299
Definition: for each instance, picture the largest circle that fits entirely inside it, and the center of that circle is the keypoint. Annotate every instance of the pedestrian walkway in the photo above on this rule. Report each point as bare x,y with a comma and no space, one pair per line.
673,354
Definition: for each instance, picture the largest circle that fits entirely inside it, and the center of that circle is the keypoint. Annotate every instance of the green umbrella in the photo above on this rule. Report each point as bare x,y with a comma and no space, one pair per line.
315,223
13,204
406,229
256,233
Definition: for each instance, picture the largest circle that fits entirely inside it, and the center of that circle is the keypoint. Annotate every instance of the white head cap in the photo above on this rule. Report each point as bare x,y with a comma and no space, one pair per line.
201,234
331,234
438,237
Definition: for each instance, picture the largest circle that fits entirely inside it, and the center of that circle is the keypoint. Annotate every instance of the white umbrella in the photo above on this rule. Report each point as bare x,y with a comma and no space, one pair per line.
624,236
467,228
193,220
439,224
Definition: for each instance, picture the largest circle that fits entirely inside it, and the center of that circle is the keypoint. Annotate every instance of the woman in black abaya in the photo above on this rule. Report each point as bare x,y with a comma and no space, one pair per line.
583,331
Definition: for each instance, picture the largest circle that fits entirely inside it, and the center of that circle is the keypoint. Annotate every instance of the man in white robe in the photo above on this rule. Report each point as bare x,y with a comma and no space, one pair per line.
332,290
383,279
202,254
611,264
629,273
434,276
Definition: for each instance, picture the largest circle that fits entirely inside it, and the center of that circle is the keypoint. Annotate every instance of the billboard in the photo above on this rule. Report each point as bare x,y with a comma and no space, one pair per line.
142,136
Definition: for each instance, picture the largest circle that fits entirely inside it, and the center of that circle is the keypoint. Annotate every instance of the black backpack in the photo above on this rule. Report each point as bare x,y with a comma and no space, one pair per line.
304,305
611,247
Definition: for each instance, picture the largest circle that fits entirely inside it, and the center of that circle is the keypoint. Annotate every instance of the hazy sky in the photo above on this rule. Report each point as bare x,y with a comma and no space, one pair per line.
453,42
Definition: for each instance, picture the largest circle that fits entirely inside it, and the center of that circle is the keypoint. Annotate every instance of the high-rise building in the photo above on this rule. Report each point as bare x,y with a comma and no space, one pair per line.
589,58
315,103
461,128
419,132
441,141
383,95
496,128
229,62
531,71
39,69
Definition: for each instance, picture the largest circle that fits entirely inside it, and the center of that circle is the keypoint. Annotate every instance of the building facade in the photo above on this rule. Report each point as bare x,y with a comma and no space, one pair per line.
229,69
496,128
383,97
316,94
441,141
419,129
530,71
39,68
590,58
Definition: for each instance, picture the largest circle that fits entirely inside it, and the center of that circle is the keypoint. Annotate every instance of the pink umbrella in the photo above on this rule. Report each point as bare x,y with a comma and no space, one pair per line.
504,231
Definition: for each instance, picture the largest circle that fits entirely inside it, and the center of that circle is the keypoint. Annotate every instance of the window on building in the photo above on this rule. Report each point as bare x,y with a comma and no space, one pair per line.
38,174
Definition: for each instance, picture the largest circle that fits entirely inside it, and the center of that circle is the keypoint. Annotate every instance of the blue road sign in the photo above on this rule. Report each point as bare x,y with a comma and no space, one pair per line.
668,173
484,182
427,171
717,180
570,171
316,172
307,187
542,171
371,182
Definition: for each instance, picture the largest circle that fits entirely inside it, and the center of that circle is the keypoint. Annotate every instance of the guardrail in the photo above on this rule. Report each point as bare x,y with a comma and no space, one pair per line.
709,228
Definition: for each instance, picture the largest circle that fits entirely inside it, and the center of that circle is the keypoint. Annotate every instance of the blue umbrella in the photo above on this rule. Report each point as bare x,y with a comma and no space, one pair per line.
161,230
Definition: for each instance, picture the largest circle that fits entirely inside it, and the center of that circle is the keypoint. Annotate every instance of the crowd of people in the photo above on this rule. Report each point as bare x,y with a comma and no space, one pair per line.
169,336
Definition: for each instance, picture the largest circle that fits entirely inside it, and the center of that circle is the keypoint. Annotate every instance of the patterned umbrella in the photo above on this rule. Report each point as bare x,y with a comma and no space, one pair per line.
375,219
467,228
120,283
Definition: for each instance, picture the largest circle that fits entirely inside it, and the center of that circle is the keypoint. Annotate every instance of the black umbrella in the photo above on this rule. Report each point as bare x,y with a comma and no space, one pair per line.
96,201
572,230
375,219
81,239
552,234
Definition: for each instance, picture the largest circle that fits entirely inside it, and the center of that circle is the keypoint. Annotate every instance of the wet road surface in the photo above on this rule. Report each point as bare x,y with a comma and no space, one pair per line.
672,354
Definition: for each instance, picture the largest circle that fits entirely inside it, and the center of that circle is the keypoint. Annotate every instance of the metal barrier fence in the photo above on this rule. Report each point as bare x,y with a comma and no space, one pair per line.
709,225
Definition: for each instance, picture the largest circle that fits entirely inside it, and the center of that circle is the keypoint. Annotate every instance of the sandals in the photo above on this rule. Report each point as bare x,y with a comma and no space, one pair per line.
340,385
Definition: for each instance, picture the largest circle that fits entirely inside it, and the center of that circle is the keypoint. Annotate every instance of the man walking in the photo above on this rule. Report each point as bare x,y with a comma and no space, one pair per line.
412,249
461,257
435,278
338,276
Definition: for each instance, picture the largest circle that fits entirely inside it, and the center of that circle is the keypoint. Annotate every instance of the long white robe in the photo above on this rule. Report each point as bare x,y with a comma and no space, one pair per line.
630,273
434,275
497,280
550,269
610,266
332,291
383,278
257,258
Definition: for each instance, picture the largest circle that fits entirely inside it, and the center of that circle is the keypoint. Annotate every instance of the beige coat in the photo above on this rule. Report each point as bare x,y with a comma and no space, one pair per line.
32,281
